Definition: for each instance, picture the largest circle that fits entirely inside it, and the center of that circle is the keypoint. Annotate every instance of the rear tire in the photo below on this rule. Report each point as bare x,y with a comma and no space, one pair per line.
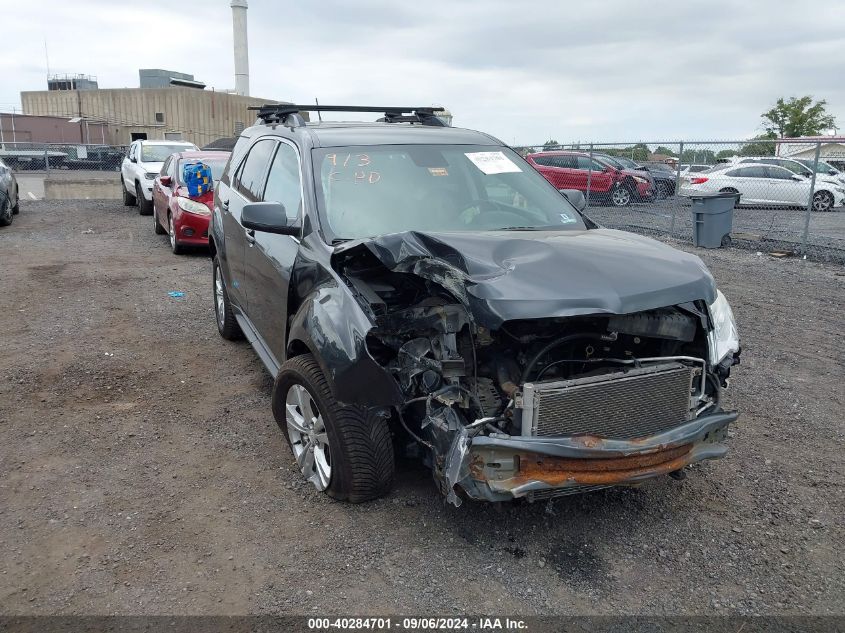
227,325
17,208
145,207
360,446
728,190
128,198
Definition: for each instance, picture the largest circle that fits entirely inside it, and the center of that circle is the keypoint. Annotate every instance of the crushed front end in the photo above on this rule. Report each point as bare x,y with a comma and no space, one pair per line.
540,407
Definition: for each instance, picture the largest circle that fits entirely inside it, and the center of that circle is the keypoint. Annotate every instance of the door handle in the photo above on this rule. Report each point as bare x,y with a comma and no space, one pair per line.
250,236
224,204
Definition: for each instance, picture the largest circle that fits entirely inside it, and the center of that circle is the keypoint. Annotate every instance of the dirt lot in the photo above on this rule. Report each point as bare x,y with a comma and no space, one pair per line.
141,471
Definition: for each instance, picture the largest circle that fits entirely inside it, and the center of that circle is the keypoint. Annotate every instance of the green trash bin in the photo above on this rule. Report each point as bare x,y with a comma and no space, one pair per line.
712,219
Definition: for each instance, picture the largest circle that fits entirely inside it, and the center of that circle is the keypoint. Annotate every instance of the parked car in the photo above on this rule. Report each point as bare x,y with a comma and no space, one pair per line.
606,182
9,195
181,213
663,181
96,157
141,165
823,168
795,166
765,185
694,169
419,288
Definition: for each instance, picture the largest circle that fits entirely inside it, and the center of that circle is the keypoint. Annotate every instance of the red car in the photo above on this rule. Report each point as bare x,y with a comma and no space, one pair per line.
177,213
607,183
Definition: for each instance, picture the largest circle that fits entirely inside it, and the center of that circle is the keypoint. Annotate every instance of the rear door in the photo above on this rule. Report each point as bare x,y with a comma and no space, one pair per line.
244,186
752,183
269,258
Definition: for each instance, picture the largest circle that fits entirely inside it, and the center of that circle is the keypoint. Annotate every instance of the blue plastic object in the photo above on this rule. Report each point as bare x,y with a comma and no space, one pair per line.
197,178
176,293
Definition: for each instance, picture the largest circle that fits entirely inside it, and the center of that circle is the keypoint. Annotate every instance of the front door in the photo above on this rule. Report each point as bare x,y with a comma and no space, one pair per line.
269,258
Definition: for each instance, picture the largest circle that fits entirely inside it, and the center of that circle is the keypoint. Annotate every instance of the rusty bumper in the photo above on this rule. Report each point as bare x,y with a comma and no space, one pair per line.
501,467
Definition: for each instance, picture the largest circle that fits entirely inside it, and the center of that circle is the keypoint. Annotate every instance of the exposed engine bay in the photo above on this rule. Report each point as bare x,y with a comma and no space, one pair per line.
462,381
501,406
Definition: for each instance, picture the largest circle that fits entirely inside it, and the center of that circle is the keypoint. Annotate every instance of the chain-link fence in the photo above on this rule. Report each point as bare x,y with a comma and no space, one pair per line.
791,191
48,157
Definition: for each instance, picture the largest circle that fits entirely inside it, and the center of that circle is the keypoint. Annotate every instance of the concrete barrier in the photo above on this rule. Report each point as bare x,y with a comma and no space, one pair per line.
99,188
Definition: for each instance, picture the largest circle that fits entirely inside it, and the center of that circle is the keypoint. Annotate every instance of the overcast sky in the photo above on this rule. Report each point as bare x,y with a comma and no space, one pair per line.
524,71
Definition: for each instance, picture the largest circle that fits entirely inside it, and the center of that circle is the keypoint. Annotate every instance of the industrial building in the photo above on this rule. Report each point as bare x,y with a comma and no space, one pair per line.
190,114
167,105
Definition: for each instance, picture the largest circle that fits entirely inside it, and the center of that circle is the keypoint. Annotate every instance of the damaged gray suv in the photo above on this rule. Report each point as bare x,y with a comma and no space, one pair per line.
421,289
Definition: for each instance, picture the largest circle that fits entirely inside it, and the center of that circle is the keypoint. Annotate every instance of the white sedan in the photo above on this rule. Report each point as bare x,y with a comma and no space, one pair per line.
764,185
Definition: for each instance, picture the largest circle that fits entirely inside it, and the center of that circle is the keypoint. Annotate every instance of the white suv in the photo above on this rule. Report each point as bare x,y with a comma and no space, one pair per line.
141,165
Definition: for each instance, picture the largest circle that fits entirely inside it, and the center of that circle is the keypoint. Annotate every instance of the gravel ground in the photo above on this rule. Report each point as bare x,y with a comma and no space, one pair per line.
141,471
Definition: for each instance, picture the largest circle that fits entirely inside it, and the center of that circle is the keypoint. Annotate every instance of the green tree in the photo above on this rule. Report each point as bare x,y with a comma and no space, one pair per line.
797,117
661,149
550,144
757,148
699,157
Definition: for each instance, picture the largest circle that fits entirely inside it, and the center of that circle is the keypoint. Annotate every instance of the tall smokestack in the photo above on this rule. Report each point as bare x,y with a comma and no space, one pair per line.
239,8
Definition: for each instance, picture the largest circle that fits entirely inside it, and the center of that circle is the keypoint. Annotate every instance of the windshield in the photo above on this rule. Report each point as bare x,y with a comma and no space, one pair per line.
626,162
610,160
159,153
375,190
215,164
821,168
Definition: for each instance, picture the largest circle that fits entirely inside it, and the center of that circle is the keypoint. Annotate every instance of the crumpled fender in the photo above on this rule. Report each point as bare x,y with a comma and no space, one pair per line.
331,324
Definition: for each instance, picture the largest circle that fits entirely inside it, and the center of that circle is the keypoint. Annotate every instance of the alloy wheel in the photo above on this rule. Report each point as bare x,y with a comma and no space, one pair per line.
822,201
621,196
308,437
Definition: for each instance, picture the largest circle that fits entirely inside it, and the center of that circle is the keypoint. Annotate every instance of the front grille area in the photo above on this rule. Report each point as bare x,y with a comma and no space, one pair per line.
621,405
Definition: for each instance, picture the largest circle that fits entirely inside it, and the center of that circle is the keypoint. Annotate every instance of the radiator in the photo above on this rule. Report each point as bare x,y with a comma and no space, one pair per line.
623,405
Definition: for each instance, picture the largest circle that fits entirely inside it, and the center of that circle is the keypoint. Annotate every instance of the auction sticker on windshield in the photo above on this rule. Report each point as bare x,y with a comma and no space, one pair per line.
493,162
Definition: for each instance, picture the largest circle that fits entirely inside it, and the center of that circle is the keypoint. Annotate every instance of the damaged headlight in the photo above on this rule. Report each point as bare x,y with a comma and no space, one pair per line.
724,339
191,206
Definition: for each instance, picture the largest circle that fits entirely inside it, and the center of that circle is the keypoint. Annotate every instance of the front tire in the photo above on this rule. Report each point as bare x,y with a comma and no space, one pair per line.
175,246
157,227
822,201
128,199
340,449
145,207
664,190
227,325
620,196
6,214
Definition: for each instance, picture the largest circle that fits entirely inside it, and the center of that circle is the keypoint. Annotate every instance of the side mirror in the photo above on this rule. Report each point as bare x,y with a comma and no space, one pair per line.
832,172
132,159
807,174
268,217
166,180
576,198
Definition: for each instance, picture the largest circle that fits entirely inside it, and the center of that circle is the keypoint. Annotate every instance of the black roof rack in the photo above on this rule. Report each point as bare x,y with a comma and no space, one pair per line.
288,114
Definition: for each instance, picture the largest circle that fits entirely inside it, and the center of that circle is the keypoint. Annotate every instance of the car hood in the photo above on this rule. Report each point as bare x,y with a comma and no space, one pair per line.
506,275
151,168
637,172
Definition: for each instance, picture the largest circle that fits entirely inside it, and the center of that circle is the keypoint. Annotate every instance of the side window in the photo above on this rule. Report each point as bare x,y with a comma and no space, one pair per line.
584,162
165,169
754,172
250,178
172,171
779,173
565,161
545,161
283,183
